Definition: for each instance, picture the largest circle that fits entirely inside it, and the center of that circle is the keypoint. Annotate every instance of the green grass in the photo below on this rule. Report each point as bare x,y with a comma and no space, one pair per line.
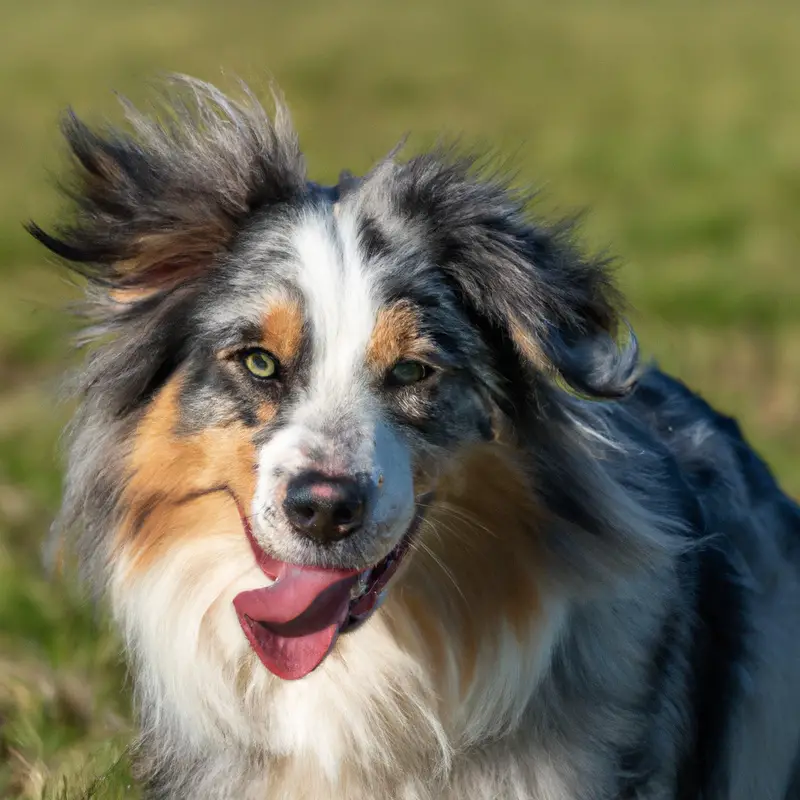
676,123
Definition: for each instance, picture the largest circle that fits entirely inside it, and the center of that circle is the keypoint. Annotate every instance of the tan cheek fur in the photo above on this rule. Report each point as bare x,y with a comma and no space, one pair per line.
478,561
167,495
179,483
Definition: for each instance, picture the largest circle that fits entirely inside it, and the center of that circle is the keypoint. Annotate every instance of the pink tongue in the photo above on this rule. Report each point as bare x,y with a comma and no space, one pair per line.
292,625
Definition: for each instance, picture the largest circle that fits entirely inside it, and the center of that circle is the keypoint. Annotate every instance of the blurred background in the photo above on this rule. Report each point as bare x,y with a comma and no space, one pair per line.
676,124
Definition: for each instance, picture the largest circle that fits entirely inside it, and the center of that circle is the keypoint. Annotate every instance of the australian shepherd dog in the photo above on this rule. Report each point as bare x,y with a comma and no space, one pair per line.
381,500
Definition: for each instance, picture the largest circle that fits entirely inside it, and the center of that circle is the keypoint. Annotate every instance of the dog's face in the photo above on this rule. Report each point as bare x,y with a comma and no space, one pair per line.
350,386
285,376
323,383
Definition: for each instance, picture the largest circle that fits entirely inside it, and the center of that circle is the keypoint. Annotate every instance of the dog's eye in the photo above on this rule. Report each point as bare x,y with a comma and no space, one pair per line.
404,373
260,364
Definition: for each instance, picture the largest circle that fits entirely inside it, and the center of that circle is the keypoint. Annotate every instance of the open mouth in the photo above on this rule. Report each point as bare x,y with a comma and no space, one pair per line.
293,624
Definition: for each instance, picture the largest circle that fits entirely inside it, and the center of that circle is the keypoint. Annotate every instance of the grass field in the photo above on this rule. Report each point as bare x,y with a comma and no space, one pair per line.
677,124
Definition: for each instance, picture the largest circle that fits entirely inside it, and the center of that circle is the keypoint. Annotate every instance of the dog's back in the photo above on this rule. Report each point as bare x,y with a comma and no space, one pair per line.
743,656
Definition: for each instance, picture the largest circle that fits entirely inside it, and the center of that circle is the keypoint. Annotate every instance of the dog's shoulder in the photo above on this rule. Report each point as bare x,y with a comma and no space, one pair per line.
735,487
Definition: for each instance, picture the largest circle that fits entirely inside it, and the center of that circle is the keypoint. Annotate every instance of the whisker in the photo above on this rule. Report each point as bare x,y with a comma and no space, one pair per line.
464,516
420,545
458,534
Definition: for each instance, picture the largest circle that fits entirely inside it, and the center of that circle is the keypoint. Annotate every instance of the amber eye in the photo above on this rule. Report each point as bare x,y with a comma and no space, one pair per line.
260,364
404,373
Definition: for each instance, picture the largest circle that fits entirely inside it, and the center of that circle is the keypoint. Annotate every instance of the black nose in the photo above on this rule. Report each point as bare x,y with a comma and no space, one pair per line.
323,508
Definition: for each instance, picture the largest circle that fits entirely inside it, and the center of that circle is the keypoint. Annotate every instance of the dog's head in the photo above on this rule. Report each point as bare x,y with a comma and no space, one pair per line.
285,373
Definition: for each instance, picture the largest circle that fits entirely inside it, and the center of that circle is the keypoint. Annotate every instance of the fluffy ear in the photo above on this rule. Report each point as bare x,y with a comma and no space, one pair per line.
559,309
156,204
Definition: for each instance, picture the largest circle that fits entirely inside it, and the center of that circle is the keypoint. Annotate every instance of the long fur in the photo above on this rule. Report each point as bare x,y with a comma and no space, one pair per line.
604,598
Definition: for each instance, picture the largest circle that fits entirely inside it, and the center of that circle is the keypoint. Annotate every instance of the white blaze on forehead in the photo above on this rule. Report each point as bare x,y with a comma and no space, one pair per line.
341,303
340,310
340,300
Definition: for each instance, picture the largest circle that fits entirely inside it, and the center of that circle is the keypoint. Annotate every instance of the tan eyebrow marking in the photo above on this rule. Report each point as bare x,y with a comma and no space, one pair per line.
396,335
282,329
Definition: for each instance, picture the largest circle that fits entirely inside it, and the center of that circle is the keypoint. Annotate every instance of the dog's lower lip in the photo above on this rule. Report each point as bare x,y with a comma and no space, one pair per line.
367,601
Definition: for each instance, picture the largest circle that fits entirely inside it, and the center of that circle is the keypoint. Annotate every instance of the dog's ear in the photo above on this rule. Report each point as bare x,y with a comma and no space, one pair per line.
155,205
530,284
